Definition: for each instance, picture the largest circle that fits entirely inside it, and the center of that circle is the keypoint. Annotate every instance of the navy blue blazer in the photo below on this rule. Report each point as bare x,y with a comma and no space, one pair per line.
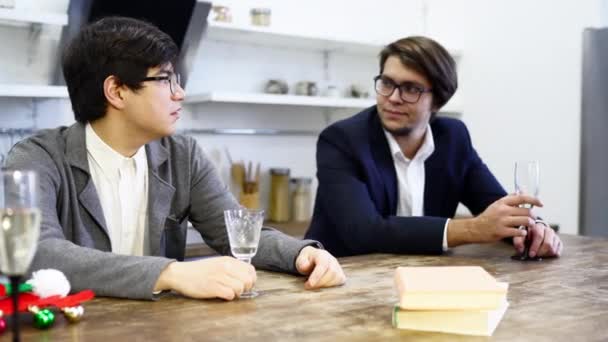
357,197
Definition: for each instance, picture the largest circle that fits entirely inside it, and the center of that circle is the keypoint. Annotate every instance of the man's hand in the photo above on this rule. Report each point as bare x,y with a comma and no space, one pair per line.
324,269
221,277
500,220
544,242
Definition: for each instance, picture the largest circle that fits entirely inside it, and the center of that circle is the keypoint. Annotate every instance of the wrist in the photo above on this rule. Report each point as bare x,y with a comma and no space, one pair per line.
304,252
165,279
459,231
301,263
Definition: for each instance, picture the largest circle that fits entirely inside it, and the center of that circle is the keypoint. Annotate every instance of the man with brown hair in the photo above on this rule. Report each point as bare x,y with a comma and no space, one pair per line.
391,176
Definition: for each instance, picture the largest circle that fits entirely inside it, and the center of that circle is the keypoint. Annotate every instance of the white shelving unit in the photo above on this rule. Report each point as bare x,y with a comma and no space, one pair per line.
228,32
293,100
271,99
270,37
15,17
266,36
33,91
20,17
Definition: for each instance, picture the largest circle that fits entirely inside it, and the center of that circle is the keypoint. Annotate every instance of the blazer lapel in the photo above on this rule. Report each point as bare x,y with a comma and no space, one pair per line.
383,161
76,152
160,195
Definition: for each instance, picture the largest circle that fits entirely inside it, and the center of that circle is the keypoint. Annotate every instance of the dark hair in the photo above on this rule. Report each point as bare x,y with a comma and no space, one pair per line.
431,60
119,46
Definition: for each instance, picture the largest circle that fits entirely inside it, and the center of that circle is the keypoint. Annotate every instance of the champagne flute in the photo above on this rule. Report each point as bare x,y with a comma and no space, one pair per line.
244,227
19,229
527,182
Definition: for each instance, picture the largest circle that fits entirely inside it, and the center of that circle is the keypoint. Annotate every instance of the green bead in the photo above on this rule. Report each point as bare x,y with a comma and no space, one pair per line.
43,319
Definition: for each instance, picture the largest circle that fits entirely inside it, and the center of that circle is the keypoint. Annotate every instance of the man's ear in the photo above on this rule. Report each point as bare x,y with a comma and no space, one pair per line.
114,92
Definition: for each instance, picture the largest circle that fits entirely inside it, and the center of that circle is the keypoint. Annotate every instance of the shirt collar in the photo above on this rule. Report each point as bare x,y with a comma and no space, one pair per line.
107,158
426,149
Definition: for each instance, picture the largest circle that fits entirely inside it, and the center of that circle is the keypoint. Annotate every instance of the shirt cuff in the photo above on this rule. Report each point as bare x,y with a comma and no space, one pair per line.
445,235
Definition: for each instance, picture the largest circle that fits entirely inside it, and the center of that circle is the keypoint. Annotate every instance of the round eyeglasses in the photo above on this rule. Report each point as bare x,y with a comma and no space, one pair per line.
409,92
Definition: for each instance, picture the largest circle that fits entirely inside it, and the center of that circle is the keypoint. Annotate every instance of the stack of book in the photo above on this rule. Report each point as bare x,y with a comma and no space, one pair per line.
449,299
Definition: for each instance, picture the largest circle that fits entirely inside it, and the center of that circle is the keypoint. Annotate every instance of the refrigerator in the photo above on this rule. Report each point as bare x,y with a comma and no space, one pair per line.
593,220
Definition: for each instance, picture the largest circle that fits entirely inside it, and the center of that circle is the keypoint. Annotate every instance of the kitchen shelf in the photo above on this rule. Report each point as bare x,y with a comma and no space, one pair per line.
33,91
267,36
272,99
13,16
250,131
295,100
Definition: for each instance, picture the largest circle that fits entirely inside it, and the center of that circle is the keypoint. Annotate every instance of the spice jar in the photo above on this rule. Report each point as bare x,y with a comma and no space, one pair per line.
300,199
260,16
279,195
222,13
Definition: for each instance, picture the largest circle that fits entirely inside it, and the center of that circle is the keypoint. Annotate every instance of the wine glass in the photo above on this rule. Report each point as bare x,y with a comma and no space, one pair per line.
19,229
527,182
244,227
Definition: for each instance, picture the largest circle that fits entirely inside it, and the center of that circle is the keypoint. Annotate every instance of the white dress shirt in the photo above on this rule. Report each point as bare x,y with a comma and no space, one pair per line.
411,178
122,187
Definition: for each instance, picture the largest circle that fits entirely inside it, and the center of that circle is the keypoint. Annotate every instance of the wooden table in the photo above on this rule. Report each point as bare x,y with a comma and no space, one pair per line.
562,299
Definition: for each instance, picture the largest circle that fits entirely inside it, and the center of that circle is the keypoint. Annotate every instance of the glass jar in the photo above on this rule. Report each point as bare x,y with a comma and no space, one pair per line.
279,195
7,3
222,13
300,199
260,16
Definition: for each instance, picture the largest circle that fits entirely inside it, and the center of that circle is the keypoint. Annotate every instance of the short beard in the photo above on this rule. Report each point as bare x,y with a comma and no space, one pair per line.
399,132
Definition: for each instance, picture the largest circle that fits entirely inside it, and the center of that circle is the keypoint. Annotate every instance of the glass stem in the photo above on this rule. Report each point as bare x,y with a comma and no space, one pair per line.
15,296
528,239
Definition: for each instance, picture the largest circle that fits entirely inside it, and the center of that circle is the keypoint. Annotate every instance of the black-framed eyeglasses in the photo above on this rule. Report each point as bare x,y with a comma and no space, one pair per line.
409,92
173,78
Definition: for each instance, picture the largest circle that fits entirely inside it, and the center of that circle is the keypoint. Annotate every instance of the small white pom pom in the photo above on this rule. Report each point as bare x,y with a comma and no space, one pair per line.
50,282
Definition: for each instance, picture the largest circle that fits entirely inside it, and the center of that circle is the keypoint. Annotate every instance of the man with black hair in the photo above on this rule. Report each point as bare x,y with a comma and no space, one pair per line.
118,188
391,177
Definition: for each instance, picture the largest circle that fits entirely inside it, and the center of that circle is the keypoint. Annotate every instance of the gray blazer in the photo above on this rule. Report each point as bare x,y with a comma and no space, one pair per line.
183,186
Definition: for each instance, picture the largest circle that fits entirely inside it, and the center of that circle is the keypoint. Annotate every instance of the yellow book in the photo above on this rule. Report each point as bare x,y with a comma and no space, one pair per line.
464,322
448,288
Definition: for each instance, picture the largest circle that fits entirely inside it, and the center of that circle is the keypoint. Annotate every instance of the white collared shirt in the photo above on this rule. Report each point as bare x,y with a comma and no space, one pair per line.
411,177
122,187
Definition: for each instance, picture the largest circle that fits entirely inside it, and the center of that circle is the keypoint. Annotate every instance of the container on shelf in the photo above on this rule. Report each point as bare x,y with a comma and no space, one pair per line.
222,14
260,16
7,3
279,195
300,199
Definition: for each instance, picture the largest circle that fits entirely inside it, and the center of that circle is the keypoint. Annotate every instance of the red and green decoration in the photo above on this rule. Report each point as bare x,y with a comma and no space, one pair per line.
45,293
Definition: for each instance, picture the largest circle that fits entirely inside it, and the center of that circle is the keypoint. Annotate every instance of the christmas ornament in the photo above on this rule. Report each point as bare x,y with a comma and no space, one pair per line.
43,319
73,314
47,290
2,323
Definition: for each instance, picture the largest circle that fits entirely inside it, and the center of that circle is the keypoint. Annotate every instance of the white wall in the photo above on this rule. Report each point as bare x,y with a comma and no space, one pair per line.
519,76
521,81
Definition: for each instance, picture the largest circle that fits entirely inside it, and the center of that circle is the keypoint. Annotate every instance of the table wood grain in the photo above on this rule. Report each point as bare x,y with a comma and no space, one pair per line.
563,299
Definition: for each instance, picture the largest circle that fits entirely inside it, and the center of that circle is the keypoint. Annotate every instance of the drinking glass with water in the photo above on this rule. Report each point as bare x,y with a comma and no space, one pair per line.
244,227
